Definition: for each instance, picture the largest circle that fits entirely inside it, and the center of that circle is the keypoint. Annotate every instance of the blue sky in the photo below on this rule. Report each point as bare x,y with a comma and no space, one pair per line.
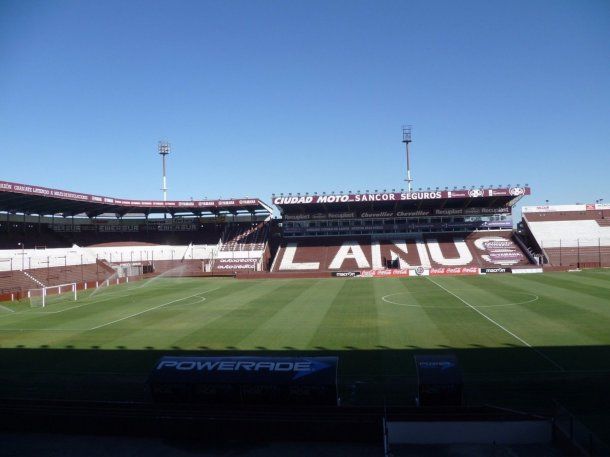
294,96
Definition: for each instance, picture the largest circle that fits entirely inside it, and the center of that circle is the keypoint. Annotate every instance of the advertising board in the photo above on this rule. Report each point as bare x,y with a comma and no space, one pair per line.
245,380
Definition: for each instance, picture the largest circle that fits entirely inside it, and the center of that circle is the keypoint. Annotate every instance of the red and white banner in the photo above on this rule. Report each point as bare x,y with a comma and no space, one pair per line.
445,271
66,195
401,196
420,271
390,273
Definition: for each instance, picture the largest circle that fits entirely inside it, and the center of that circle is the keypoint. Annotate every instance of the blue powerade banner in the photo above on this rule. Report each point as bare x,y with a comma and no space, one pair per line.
245,379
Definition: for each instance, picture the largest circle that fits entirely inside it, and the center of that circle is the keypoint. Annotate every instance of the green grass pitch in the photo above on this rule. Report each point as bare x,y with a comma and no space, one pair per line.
512,333
541,311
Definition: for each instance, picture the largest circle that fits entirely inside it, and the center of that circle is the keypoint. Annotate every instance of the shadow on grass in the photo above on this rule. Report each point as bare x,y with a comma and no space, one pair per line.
514,377
383,361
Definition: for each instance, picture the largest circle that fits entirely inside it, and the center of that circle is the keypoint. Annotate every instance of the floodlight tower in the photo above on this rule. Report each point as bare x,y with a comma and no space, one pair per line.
406,139
164,148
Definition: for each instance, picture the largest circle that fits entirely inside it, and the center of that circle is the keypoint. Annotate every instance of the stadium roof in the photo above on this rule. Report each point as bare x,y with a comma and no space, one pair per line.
27,199
420,200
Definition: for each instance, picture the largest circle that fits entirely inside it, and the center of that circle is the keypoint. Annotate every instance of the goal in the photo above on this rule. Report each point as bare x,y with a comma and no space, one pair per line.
39,298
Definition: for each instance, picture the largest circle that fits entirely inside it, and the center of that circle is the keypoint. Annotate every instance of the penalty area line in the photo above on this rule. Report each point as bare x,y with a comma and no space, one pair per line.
152,309
7,309
542,354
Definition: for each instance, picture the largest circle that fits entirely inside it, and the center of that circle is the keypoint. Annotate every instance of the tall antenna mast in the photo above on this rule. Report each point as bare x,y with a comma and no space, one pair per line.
164,148
406,139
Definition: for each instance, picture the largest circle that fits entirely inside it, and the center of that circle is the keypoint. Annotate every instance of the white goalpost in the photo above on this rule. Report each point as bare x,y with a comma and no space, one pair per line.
39,298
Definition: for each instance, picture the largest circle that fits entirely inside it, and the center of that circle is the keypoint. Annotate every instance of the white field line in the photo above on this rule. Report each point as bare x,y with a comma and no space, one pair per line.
7,309
79,330
183,308
151,309
497,324
386,298
188,306
74,307
106,298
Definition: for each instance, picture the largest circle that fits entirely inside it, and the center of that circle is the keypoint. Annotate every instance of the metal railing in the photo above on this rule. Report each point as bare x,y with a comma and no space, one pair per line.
578,252
578,434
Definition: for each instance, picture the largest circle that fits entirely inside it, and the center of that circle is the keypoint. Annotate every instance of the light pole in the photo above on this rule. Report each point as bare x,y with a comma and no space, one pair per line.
22,255
164,149
406,139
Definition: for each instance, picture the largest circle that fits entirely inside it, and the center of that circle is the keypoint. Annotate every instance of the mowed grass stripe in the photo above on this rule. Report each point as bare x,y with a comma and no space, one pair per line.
426,323
52,326
97,308
336,314
25,313
227,330
544,358
351,321
85,337
53,316
395,320
165,328
468,327
293,326
521,319
163,293
565,282
559,324
137,335
560,313
583,279
459,325
400,327
599,273
526,319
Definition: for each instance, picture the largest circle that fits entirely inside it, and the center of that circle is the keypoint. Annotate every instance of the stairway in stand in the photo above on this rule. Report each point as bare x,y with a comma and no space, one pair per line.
34,279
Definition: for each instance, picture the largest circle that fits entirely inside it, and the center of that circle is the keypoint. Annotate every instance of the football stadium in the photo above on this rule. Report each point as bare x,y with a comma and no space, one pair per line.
217,240
112,302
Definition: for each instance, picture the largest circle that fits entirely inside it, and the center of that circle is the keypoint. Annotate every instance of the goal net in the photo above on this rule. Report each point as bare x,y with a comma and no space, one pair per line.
52,294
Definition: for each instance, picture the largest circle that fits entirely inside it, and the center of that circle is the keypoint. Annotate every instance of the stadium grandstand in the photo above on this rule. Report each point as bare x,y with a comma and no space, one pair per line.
52,237
574,236
407,233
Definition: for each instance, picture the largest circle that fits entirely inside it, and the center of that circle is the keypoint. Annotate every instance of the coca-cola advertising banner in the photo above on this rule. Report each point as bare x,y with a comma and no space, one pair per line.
420,271
66,195
392,214
401,196
390,273
454,271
